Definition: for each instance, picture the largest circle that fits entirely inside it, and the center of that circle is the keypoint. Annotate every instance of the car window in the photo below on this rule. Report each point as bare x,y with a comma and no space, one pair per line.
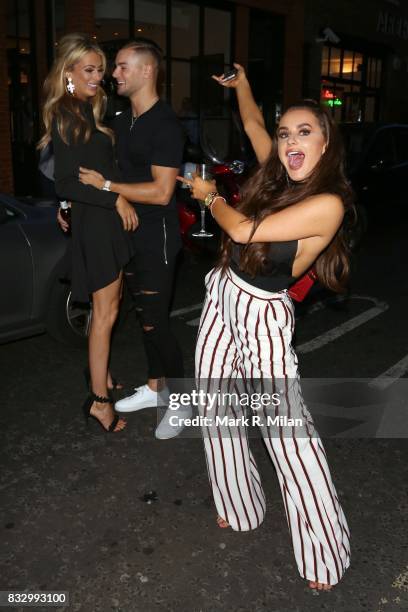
382,149
353,139
7,213
401,139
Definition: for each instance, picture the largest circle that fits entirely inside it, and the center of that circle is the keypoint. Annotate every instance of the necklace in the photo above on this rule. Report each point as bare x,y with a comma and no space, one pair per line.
132,122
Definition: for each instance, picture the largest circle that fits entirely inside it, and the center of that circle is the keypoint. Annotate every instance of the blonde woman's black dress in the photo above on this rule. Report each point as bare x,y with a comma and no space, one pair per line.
100,247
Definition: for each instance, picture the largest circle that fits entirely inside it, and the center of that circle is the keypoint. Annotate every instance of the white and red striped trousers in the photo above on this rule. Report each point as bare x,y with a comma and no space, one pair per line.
245,335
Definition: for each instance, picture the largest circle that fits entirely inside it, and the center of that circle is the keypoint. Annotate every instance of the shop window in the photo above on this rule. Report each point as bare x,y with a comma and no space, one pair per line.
357,66
185,30
59,16
374,67
335,61
184,77
111,20
217,29
150,20
370,107
347,68
325,61
18,25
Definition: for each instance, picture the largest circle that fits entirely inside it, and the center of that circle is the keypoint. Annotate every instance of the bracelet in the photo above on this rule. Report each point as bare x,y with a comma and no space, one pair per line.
106,186
218,197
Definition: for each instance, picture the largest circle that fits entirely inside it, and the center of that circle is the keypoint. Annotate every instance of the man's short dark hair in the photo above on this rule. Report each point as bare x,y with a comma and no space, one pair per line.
145,45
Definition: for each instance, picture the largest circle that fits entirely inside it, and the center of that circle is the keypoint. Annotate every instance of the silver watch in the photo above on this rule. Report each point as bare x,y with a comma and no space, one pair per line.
106,185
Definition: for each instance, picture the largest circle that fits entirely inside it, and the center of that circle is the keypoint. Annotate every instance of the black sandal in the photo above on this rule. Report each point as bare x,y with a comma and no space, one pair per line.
116,385
86,408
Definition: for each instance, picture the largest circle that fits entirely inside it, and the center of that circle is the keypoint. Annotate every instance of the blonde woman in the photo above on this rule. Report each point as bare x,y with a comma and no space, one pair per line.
101,220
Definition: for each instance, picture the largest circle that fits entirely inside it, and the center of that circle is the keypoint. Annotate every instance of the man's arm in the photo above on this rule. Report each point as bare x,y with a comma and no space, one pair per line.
158,191
168,142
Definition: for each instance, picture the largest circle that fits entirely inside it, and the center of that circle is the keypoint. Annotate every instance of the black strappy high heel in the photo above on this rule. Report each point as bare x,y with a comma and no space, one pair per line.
116,385
86,408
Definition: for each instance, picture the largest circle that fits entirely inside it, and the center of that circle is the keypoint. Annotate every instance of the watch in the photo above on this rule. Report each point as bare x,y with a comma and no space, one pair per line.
106,186
210,197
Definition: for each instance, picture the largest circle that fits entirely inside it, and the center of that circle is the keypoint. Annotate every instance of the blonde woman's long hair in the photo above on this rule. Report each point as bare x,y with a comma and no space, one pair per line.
65,108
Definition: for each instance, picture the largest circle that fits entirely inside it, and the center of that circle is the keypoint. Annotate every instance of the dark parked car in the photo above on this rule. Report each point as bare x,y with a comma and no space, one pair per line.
377,160
32,297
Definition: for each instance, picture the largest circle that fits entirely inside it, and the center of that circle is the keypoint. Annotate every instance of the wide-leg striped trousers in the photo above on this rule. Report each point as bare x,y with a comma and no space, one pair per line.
244,340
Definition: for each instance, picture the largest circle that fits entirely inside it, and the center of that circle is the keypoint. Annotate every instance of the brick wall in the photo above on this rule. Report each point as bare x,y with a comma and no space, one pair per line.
6,169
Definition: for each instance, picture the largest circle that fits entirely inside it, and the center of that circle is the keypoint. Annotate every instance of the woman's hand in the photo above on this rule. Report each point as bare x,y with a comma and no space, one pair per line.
91,177
61,222
127,213
198,186
234,83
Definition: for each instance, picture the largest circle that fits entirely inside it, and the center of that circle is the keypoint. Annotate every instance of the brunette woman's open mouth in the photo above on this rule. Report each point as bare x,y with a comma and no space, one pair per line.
295,159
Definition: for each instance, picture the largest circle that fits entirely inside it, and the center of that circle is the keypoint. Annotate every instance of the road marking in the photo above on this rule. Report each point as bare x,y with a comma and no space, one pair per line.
340,330
332,334
180,311
388,377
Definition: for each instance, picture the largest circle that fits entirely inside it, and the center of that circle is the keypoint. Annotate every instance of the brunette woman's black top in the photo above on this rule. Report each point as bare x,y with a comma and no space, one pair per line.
100,247
277,271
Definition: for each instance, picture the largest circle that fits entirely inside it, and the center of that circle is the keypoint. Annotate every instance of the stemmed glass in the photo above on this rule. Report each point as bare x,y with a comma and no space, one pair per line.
203,172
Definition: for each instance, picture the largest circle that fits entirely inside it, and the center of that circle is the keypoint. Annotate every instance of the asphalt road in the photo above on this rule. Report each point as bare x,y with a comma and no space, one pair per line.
74,515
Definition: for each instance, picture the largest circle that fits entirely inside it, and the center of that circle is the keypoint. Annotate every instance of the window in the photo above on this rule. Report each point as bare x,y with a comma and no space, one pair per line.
350,84
185,34
217,35
150,20
111,20
335,62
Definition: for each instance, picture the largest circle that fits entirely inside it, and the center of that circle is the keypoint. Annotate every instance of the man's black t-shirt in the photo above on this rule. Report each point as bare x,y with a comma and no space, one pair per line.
156,139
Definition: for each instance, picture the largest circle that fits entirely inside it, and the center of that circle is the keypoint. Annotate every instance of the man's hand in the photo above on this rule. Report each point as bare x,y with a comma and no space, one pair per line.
234,83
127,213
199,187
91,177
61,222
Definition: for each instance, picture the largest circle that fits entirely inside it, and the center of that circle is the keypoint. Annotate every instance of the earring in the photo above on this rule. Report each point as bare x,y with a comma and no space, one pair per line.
70,86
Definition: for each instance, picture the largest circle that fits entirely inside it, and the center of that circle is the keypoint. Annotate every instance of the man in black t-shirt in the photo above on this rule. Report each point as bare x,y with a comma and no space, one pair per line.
150,141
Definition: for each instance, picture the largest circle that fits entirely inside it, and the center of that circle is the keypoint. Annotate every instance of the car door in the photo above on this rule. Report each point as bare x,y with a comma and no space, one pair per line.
16,270
380,159
400,171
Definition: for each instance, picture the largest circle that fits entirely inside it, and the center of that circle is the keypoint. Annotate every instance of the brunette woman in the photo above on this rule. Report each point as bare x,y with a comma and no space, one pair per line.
101,220
291,216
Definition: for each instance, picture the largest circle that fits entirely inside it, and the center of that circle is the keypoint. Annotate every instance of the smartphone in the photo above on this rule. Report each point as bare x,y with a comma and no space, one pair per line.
229,75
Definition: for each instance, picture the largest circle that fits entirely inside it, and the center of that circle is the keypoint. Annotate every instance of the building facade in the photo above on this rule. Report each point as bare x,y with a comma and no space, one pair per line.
356,58
198,37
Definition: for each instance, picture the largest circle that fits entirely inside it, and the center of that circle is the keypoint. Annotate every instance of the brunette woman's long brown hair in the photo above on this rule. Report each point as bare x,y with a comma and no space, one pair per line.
270,190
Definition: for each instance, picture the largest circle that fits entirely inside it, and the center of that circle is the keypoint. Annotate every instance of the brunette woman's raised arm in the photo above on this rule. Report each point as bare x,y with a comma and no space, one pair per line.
251,116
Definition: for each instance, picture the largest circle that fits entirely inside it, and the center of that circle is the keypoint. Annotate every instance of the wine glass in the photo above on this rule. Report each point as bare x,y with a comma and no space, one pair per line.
203,171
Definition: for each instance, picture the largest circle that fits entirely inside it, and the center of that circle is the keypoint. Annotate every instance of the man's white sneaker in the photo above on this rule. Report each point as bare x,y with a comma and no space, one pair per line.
167,429
143,398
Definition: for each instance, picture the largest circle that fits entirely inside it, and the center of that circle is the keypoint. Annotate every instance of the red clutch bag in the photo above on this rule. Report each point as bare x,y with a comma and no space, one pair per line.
299,290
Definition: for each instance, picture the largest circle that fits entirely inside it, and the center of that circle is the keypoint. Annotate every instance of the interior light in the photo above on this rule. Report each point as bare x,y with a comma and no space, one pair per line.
140,29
